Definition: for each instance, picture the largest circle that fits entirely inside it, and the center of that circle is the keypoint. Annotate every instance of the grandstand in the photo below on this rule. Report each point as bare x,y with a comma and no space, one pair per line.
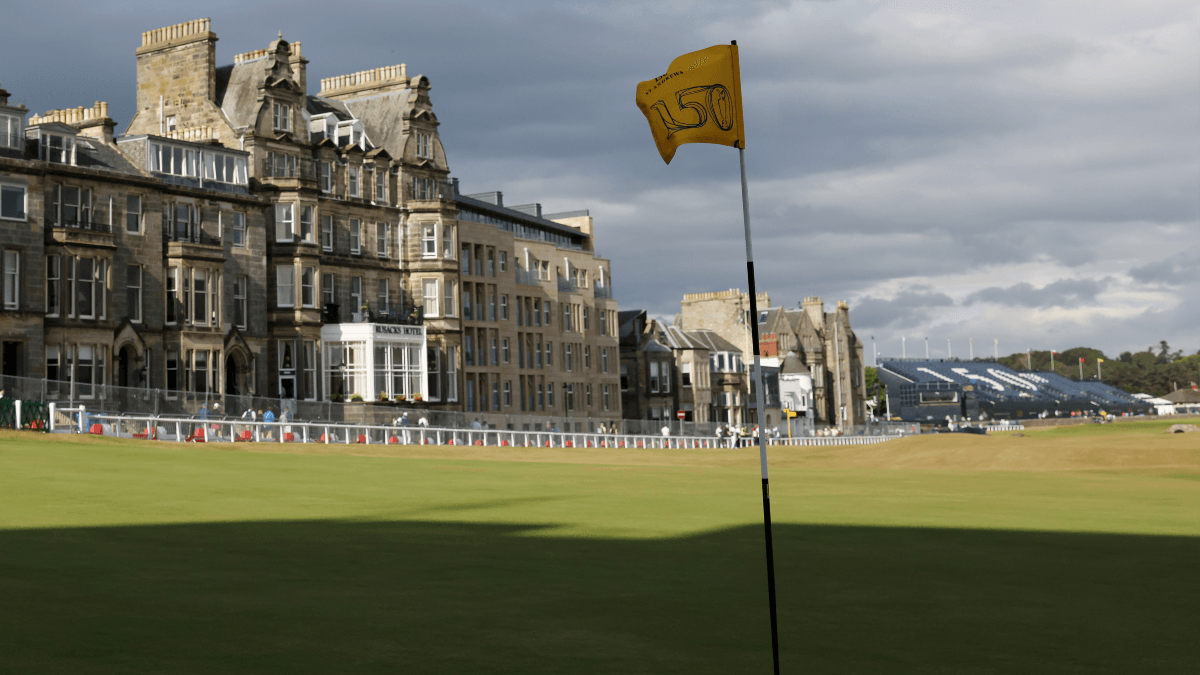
921,390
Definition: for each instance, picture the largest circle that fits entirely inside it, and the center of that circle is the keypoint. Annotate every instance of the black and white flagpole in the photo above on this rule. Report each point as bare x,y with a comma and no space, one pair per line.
758,403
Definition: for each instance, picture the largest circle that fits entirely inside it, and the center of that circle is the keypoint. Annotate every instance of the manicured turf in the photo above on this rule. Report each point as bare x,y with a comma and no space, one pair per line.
1059,551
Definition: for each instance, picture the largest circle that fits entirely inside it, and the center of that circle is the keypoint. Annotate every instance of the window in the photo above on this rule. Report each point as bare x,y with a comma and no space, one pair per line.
465,258
508,394
308,291
604,359
469,349
624,377
327,294
68,206
12,202
588,393
424,146
429,288
53,288
327,233
383,295
224,168
284,225
283,117
504,350
451,288
587,356
280,165
326,177
381,184
285,284
12,280
381,239
428,240
549,353
492,305
10,132
239,301
57,149
448,242
133,214
566,325
685,374
550,394
504,307
306,224
237,229
172,296
355,236
422,188
356,294
503,261
133,292
495,353
537,312
466,303
352,176
200,297
606,397
491,262
310,369
88,297
568,354
603,322
586,323
452,373
433,360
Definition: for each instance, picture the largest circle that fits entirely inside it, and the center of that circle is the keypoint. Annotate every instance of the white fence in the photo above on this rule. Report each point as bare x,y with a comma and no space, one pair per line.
226,430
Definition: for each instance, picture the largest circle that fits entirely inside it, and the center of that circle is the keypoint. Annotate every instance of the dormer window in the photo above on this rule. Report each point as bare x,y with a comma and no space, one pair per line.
424,146
10,131
57,148
283,117
171,124
174,160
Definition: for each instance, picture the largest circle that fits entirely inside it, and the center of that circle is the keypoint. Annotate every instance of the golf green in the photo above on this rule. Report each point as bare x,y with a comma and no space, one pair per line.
1065,551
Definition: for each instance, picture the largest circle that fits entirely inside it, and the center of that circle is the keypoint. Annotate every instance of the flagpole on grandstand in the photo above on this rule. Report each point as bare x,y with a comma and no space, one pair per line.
758,404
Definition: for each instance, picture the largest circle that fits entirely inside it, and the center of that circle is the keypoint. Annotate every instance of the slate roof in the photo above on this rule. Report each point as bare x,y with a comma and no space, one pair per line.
237,90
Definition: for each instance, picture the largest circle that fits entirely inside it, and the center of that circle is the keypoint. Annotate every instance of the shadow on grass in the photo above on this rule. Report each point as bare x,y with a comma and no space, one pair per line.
411,597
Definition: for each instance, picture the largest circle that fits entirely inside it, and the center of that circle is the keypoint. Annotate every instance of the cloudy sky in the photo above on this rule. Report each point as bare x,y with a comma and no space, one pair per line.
1021,170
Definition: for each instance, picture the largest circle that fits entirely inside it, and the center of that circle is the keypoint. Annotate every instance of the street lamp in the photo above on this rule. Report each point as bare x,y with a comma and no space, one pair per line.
566,410
874,351
926,347
903,350
949,354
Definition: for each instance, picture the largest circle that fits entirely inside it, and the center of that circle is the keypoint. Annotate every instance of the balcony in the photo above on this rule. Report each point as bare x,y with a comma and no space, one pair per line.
566,285
332,313
78,224
603,292
527,278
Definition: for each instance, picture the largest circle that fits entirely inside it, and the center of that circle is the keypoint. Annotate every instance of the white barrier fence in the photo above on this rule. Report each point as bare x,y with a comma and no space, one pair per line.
244,431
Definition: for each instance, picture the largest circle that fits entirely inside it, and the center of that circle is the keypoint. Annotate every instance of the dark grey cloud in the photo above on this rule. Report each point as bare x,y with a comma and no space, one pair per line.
1177,270
1061,293
908,309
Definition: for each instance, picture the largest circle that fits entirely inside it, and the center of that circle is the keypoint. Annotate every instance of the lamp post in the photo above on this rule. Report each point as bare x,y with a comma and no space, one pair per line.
949,354
1028,359
996,353
972,349
926,347
875,352
566,410
1052,353
903,350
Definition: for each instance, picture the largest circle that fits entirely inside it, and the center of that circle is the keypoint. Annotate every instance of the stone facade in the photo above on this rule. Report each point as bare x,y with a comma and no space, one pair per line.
244,216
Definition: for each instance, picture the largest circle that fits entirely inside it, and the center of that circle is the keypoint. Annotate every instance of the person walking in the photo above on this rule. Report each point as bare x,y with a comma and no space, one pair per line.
269,418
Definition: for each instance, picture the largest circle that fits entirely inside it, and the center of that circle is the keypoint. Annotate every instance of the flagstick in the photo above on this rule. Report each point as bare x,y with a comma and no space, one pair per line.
758,403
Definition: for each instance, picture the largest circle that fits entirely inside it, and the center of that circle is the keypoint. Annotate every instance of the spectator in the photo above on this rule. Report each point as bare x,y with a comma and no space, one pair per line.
666,430
269,418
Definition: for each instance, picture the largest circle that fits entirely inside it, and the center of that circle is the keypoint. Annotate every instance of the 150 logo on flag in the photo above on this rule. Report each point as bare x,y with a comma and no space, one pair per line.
698,100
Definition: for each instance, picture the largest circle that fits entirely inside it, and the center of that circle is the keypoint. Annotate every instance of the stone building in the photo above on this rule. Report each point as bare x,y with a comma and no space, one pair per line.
666,370
246,237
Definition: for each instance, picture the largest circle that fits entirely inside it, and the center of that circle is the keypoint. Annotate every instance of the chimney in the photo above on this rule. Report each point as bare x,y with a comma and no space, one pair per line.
298,63
177,64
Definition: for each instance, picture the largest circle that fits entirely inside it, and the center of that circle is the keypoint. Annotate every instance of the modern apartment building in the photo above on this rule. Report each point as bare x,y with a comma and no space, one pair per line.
245,237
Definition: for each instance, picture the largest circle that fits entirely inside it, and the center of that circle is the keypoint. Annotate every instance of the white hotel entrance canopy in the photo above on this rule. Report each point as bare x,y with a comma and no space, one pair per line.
370,359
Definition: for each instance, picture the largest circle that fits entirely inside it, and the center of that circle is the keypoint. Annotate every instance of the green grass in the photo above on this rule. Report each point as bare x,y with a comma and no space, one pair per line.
134,557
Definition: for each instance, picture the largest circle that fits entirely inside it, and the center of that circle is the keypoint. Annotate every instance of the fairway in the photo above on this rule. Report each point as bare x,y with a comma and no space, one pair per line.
1068,550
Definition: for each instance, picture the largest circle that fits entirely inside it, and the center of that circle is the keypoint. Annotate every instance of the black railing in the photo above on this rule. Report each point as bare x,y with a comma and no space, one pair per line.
79,224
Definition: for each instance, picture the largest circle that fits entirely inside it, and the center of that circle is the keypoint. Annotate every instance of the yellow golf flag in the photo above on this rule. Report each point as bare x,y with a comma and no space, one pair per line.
698,100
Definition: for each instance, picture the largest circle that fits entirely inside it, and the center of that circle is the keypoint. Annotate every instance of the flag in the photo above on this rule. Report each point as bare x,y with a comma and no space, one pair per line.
1100,360
1081,359
1053,352
698,100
